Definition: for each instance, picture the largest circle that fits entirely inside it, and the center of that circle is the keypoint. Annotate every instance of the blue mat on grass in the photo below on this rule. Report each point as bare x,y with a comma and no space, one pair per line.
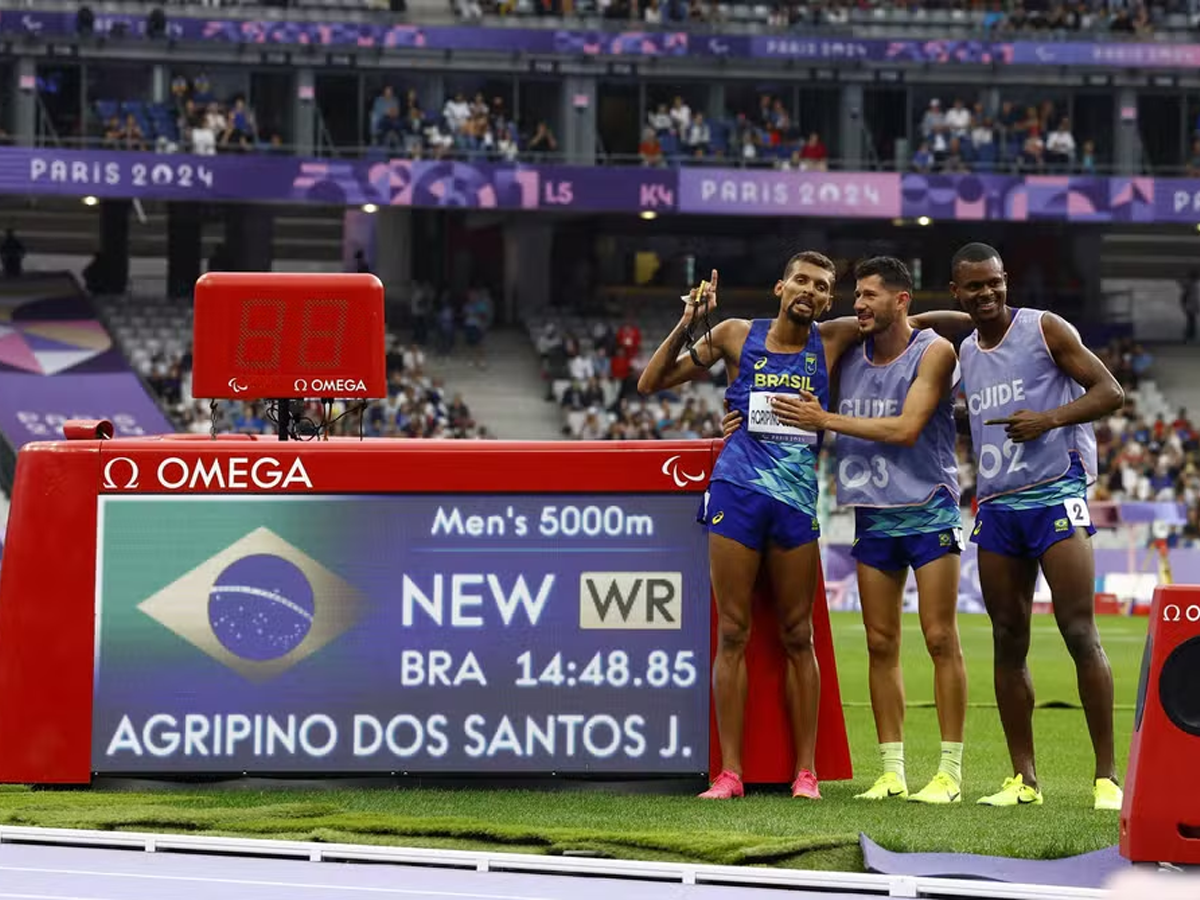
1088,870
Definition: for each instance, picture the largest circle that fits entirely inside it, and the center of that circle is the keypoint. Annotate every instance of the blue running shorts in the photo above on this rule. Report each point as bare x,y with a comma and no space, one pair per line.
1029,533
894,554
754,519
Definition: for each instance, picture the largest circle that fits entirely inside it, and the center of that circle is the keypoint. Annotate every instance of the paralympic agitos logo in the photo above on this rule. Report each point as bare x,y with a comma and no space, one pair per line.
227,473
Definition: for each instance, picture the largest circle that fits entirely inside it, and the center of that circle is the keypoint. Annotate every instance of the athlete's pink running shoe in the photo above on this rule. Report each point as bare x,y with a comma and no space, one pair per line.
727,786
805,785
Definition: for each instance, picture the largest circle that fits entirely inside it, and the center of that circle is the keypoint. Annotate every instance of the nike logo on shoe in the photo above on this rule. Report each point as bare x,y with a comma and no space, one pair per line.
1022,800
895,793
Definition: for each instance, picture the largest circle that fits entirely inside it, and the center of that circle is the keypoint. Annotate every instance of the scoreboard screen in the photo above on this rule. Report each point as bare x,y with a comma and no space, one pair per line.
412,633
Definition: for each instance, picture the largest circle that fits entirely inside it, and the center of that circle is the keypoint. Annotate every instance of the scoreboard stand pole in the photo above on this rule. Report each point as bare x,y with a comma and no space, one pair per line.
283,409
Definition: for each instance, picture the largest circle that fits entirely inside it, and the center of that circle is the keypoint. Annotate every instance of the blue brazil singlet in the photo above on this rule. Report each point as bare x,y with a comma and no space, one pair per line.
764,455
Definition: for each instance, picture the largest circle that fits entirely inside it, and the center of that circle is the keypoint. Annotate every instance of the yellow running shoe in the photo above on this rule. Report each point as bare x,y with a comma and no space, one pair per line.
886,786
1014,792
942,789
1108,794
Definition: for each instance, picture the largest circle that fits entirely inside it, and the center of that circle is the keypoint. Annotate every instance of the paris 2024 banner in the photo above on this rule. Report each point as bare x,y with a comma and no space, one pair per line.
698,190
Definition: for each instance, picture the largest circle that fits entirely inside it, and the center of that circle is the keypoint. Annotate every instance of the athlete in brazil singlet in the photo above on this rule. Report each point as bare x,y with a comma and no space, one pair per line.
764,485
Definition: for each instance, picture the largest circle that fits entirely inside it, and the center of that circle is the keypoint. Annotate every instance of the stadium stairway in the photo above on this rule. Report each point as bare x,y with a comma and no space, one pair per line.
508,396
1177,378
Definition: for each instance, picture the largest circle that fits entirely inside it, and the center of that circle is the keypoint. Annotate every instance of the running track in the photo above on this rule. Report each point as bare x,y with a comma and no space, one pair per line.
52,864
61,873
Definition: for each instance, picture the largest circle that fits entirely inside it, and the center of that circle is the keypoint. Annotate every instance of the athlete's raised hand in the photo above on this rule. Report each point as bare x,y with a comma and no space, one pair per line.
803,411
1023,425
700,300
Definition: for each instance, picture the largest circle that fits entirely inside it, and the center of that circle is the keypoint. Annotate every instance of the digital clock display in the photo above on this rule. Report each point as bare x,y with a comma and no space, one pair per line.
273,335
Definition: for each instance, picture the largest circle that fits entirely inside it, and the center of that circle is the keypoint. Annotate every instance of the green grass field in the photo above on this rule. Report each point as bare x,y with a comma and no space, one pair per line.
765,828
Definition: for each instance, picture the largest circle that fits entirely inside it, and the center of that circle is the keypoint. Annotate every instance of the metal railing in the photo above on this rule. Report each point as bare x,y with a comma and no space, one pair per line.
327,148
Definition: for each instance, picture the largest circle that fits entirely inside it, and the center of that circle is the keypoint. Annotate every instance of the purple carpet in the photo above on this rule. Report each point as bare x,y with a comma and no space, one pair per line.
1089,870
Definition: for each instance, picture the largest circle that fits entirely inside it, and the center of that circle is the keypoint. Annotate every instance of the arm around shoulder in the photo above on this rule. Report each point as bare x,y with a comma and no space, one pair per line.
948,323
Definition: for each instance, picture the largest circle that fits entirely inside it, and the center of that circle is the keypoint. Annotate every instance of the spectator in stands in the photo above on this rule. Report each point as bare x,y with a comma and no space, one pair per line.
922,160
383,105
392,132
1189,299
591,429
983,134
241,131
681,116
1191,531
506,142
954,160
660,120
933,120
749,142
1087,159
205,138
113,134
698,136
543,140
411,132
629,338
581,366
650,149
572,397
1060,146
477,319
814,157
456,112
1033,151
958,119
781,120
132,137
12,255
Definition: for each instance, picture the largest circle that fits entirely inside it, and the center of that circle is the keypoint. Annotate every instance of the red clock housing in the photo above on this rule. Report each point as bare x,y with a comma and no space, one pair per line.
266,335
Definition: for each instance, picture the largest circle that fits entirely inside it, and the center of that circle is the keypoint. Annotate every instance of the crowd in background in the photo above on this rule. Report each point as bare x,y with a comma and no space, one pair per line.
764,136
194,120
1139,459
1132,19
966,137
475,128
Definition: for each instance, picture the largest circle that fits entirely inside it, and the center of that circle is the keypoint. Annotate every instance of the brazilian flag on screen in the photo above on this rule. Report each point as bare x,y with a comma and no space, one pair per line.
247,584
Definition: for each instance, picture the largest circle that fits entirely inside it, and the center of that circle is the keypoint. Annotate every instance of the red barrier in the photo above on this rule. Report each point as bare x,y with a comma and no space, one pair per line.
768,753
1160,818
48,580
